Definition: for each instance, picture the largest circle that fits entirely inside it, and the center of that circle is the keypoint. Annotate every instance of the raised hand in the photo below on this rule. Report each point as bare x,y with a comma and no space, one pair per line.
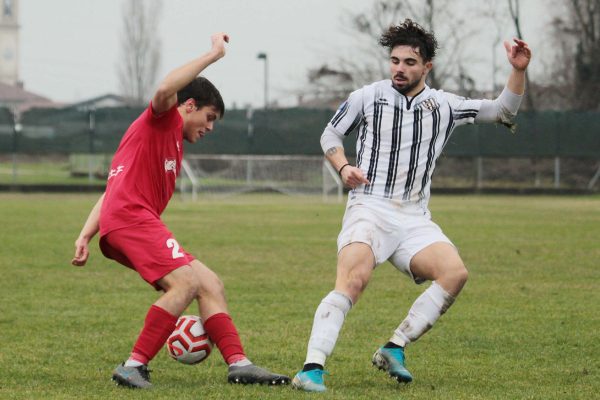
518,54
218,43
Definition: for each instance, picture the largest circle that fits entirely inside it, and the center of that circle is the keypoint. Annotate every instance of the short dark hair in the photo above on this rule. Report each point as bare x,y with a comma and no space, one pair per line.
411,34
204,93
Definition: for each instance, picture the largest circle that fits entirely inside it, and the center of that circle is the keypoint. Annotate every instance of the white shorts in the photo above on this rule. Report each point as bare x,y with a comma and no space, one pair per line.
394,232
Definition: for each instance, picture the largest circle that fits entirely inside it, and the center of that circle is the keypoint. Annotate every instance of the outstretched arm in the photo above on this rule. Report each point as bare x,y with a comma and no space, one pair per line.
90,228
518,56
166,94
504,108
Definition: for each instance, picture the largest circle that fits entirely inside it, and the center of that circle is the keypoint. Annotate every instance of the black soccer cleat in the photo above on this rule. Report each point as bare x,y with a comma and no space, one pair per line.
251,374
132,377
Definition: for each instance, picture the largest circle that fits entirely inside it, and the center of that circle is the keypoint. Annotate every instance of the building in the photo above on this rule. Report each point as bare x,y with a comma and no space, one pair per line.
20,100
104,101
12,93
9,42
326,88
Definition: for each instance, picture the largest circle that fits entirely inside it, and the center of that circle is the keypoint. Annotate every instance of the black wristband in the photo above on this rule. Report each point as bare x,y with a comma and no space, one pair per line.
343,166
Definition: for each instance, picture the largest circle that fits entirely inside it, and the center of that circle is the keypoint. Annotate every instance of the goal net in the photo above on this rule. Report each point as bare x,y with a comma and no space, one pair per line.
234,174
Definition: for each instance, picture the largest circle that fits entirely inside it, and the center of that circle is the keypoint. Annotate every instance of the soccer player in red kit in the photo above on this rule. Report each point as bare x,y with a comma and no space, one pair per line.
140,183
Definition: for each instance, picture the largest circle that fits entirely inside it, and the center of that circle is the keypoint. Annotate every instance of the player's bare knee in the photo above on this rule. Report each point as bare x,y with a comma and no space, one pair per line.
216,288
458,273
359,283
181,282
182,292
210,285
189,286
462,274
453,278
353,283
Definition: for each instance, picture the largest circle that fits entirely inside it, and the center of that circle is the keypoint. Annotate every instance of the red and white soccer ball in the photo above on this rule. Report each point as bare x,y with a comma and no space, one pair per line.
189,343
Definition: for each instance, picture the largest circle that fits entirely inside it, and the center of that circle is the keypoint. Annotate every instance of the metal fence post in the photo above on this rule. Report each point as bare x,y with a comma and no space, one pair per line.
15,144
249,142
478,172
594,179
556,172
91,129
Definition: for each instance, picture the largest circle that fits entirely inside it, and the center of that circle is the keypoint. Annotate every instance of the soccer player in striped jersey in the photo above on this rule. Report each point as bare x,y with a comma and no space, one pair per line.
402,127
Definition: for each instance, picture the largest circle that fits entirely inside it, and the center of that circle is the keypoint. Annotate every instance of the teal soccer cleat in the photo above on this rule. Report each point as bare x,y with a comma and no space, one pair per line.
310,381
391,360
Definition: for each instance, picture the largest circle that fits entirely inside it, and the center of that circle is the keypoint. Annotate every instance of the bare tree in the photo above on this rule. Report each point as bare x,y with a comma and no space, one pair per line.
514,8
140,49
497,15
553,89
365,61
573,73
584,25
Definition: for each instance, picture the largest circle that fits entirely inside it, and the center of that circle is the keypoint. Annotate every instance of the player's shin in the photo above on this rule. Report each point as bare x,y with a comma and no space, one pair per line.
158,326
425,311
223,333
327,324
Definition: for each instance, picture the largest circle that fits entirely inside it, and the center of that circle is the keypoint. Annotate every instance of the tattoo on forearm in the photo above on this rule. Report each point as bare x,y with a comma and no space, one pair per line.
331,151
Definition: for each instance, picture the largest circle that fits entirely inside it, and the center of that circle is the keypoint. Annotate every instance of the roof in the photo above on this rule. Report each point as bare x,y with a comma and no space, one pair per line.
106,100
14,96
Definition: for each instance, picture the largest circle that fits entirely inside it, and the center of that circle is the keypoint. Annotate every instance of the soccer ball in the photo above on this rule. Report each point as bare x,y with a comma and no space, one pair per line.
189,343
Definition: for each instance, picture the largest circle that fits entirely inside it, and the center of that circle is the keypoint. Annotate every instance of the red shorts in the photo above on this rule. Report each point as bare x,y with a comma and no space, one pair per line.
148,248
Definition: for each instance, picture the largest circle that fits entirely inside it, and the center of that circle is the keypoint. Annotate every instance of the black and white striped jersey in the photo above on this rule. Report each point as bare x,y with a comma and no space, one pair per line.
399,139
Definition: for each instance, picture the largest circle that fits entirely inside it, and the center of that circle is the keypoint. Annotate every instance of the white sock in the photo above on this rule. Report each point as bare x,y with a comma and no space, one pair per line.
241,363
327,324
132,363
428,307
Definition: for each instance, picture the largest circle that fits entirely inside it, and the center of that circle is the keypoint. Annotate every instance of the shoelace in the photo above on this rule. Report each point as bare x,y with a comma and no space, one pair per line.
144,372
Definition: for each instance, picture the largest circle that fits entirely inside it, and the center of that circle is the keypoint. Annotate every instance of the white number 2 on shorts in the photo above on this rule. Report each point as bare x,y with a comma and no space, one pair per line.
172,243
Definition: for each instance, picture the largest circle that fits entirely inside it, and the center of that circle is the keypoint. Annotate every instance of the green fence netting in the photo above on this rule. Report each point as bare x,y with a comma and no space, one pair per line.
294,131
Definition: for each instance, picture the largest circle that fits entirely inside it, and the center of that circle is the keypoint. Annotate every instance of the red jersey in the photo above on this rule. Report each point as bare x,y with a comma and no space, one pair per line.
143,171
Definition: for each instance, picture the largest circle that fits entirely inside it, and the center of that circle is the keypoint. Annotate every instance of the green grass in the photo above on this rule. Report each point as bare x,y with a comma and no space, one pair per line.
525,327
43,173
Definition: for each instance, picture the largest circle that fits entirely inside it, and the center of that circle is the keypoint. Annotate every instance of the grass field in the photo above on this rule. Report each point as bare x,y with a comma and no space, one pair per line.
55,172
526,326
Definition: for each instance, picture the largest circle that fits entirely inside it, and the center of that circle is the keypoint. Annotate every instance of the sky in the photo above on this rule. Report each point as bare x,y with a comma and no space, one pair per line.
70,48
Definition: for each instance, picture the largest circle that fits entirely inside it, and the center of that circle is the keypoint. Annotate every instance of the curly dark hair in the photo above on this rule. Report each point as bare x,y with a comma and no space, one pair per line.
411,34
204,93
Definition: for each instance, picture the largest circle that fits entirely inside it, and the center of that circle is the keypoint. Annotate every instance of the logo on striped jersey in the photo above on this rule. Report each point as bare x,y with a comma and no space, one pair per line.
429,104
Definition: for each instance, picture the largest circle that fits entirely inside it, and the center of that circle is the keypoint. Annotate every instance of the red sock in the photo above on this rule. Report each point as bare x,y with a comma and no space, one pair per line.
159,324
222,332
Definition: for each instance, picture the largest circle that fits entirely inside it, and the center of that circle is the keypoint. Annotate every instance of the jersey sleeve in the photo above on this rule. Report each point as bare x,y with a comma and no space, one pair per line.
464,110
162,119
349,115
503,109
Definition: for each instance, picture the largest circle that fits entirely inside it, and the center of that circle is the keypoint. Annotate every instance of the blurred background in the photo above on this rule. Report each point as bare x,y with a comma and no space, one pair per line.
75,73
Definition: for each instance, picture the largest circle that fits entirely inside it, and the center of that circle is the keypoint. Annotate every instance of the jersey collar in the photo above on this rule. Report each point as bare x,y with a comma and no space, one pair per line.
411,100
